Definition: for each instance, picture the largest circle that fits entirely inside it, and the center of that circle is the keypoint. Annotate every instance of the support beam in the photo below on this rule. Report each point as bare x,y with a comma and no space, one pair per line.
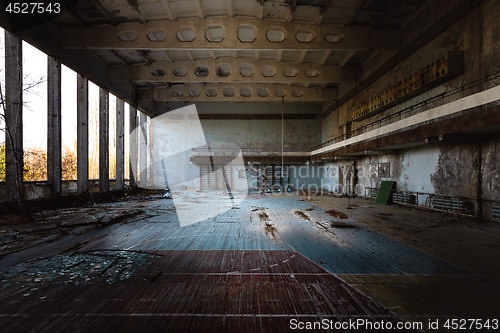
13,115
133,147
99,6
120,143
122,59
143,149
85,62
82,133
108,37
103,140
230,10
170,14
164,72
236,92
151,144
135,7
291,10
357,8
324,58
54,156
347,58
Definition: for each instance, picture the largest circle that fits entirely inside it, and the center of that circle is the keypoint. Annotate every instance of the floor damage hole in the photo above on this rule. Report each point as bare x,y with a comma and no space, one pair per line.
302,214
336,214
263,216
270,229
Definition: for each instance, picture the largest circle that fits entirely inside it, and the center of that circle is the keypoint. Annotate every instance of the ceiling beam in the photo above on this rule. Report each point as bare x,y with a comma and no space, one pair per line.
291,10
199,9
142,54
182,93
322,12
120,57
170,14
347,58
230,10
357,8
164,72
84,62
324,58
106,37
100,7
135,7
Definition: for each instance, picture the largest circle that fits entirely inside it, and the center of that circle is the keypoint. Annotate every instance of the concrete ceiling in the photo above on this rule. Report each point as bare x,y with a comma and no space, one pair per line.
235,50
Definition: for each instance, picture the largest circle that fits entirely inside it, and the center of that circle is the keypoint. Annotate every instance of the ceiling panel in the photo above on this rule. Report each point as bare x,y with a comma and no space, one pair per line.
184,9
214,8
276,10
307,14
249,8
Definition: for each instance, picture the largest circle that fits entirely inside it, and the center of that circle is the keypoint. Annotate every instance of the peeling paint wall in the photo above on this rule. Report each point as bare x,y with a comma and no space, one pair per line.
447,169
491,169
465,169
457,170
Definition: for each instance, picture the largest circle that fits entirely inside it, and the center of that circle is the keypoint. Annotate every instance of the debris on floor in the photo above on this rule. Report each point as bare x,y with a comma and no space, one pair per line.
336,214
16,233
263,216
167,194
323,224
270,229
302,214
80,268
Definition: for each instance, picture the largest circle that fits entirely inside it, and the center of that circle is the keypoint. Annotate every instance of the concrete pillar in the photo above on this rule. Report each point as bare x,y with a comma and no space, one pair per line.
133,146
120,143
143,151
54,170
13,114
151,170
82,133
103,140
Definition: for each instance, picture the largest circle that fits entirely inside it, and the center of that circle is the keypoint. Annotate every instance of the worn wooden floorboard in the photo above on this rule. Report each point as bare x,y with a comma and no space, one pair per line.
238,272
195,291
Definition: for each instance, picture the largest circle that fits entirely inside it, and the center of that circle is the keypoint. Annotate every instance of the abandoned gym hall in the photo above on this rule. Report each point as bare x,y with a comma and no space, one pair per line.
250,166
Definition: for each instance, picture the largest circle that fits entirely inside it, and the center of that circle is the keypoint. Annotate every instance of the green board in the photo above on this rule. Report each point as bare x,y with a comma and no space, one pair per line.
384,192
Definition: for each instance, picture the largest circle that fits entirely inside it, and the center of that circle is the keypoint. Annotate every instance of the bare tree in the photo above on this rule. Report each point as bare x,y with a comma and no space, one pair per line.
28,85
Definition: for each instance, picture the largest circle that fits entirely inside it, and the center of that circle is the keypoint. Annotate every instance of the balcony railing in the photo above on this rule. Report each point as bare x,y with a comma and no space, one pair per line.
439,100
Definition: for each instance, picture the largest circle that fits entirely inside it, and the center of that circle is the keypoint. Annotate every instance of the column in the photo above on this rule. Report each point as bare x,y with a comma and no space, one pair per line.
133,146
143,151
103,140
54,165
13,115
82,134
151,169
120,143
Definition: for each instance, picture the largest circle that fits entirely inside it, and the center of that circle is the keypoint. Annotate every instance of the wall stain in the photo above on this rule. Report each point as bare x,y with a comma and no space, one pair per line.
457,170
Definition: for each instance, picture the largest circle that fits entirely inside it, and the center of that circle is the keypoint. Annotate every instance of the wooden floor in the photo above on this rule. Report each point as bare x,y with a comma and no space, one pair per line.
235,272
193,291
